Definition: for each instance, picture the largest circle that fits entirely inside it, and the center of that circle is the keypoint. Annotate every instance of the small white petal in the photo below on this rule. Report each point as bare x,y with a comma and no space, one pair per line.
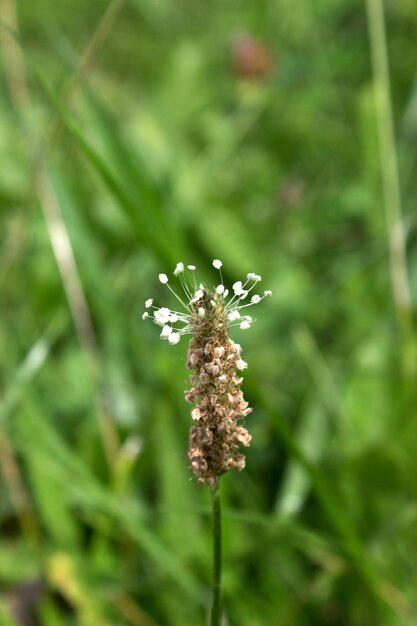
255,277
241,364
217,264
145,315
166,331
243,295
267,293
245,325
163,278
255,299
218,352
174,338
148,303
226,293
220,289
178,269
173,318
201,312
191,267
222,379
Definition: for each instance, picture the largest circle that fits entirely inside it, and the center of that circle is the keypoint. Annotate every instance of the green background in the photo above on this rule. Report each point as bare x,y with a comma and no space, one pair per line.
132,137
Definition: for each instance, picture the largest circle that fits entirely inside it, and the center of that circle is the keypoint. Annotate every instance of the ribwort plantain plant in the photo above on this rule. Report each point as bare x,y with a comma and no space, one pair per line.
216,436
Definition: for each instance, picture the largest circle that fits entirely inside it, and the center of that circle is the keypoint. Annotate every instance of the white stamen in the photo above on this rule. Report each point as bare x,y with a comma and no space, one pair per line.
197,296
166,331
178,269
162,316
193,299
233,315
237,288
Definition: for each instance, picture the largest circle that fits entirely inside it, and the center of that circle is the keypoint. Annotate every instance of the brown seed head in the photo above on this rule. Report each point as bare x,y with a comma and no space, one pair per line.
216,437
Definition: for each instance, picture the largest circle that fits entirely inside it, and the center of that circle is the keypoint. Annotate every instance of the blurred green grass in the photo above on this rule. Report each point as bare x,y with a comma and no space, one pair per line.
130,139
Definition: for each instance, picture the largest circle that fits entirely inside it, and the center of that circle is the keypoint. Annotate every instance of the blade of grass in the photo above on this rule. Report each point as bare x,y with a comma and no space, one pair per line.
349,541
176,493
99,284
150,238
77,301
33,362
391,182
51,455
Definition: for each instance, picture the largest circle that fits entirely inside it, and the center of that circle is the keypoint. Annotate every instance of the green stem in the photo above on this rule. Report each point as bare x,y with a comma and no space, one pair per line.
216,612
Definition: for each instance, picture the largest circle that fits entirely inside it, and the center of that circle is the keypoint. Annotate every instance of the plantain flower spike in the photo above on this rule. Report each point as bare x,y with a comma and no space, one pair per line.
216,435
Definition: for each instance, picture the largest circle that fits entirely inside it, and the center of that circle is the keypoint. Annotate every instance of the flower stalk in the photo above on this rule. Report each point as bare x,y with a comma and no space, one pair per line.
217,435
216,609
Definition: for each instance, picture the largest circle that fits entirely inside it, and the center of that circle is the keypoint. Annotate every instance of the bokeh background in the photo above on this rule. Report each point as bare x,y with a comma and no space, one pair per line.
281,138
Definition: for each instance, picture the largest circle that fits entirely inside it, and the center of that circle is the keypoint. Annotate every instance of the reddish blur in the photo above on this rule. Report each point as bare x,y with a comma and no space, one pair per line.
252,58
